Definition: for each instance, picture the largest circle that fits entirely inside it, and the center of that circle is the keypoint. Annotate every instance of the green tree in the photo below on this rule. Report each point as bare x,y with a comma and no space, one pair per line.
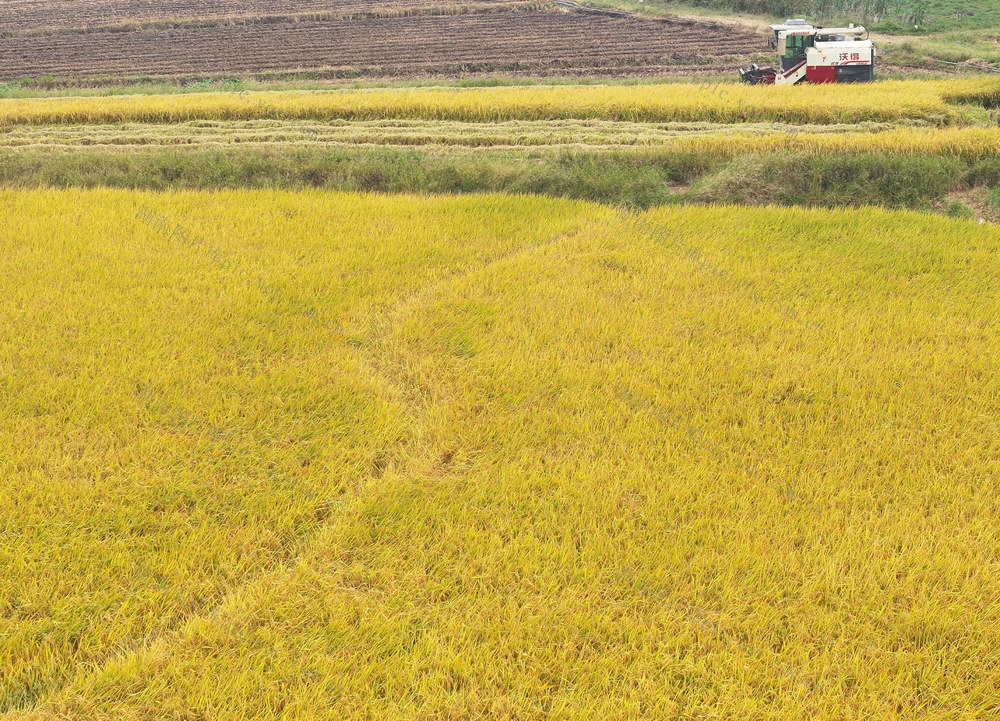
916,13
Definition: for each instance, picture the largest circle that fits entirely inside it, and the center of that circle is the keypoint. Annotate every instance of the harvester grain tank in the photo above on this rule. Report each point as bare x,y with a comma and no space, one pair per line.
816,55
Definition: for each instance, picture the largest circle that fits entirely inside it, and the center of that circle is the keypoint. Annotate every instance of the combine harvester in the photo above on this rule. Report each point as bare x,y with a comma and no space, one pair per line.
816,55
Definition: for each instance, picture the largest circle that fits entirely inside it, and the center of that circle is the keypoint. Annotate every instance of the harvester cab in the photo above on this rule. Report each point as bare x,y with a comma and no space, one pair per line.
816,55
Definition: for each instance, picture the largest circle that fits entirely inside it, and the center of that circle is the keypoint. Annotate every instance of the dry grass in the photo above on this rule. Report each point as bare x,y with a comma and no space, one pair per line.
513,133
518,532
708,138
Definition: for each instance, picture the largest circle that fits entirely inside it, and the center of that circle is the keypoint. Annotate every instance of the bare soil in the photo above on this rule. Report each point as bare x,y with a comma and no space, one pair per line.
540,42
29,16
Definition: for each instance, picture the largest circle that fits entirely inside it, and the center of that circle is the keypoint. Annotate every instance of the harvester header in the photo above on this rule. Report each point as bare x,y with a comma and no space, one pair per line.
816,55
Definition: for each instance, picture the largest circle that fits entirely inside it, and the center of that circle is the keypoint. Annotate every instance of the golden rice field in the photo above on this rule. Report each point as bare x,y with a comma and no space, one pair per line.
308,455
971,143
928,101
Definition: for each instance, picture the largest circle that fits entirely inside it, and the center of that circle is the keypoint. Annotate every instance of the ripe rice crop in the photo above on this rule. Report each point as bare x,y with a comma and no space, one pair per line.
580,471
925,101
970,143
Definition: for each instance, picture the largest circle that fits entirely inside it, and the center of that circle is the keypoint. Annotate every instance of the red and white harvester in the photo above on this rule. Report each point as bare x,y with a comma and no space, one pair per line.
816,55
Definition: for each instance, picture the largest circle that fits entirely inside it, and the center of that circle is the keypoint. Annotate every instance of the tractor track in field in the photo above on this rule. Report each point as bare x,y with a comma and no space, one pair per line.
492,41
386,361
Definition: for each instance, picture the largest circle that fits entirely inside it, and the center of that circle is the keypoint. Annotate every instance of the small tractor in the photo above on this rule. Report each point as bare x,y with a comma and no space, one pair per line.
816,55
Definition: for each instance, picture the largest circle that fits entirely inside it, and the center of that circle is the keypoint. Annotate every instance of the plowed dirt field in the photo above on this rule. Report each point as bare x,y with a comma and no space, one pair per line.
525,41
